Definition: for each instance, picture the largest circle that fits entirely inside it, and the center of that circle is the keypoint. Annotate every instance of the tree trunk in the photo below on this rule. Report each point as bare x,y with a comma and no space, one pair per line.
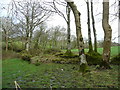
30,39
89,30
22,40
27,34
27,46
31,28
80,42
68,29
107,35
27,42
6,39
94,30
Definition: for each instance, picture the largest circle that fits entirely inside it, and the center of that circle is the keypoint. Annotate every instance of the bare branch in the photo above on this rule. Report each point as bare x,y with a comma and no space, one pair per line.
116,37
59,12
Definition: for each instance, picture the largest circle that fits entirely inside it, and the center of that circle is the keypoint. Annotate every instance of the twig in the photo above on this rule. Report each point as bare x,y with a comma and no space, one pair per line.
17,86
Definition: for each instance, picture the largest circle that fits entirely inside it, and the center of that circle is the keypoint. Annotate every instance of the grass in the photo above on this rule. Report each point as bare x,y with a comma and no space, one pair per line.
114,50
55,76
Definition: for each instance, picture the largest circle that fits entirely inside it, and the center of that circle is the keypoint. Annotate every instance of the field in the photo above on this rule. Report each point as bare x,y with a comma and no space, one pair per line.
114,50
51,75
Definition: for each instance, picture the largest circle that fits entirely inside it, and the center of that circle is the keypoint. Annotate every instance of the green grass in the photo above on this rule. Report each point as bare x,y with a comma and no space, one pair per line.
114,50
52,75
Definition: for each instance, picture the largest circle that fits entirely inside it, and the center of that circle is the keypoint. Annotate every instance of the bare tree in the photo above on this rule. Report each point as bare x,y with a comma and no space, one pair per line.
89,29
41,36
107,35
93,25
68,30
80,41
6,27
56,35
30,14
6,24
66,17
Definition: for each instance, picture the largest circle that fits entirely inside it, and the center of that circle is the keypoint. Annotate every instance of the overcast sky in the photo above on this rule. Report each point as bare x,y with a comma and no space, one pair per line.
97,4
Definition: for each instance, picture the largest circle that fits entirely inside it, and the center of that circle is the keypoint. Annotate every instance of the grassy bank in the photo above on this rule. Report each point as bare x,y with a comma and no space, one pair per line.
55,76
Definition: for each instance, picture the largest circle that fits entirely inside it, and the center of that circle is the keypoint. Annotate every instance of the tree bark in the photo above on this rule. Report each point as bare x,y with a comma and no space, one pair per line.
94,30
31,27
107,34
6,39
80,42
89,30
27,42
27,31
68,29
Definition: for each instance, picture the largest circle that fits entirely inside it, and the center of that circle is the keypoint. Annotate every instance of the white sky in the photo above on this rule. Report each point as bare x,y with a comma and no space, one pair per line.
58,20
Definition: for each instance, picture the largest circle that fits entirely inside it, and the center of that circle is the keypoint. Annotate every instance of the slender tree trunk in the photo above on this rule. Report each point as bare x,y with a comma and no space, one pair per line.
27,42
6,39
27,45
107,35
80,42
22,40
68,29
89,30
94,30
30,39
31,27
27,34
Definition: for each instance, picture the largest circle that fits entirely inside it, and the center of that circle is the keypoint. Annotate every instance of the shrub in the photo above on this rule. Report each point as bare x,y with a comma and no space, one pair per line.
17,46
116,60
94,58
4,46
